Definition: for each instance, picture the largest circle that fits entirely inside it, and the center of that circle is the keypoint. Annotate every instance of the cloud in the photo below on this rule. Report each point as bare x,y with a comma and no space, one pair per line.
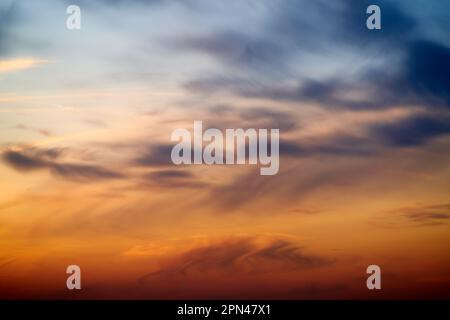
237,255
428,70
420,78
173,179
431,217
155,155
43,132
294,29
170,174
402,67
423,215
17,64
234,49
250,189
412,131
34,159
221,83
227,117
267,118
329,93
336,145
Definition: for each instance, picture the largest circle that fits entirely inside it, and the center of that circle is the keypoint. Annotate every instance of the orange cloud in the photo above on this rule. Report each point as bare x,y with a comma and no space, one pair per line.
12,65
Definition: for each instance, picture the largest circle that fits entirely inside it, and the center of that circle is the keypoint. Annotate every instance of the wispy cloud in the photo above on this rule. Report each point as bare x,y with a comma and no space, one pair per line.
34,159
40,131
12,65
254,254
437,214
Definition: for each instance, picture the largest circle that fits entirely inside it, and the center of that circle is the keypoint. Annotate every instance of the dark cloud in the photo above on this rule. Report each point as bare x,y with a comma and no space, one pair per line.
84,172
221,83
50,153
155,155
226,117
170,174
425,215
235,49
335,158
291,149
409,69
297,27
250,186
412,131
328,93
320,26
429,216
243,190
266,118
336,145
292,183
240,255
174,179
428,70
23,162
419,79
34,159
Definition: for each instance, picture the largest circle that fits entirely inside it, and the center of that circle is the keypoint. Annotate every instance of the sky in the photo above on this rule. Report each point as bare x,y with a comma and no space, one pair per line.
86,176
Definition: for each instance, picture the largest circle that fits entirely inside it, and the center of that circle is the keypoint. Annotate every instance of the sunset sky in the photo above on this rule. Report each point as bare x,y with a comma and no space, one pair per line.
86,176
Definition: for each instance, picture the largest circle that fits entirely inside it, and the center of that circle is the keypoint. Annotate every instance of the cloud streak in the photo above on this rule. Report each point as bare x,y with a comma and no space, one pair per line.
236,255
12,65
33,160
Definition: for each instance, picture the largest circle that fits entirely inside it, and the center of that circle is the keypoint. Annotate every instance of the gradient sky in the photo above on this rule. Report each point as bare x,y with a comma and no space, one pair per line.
86,176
